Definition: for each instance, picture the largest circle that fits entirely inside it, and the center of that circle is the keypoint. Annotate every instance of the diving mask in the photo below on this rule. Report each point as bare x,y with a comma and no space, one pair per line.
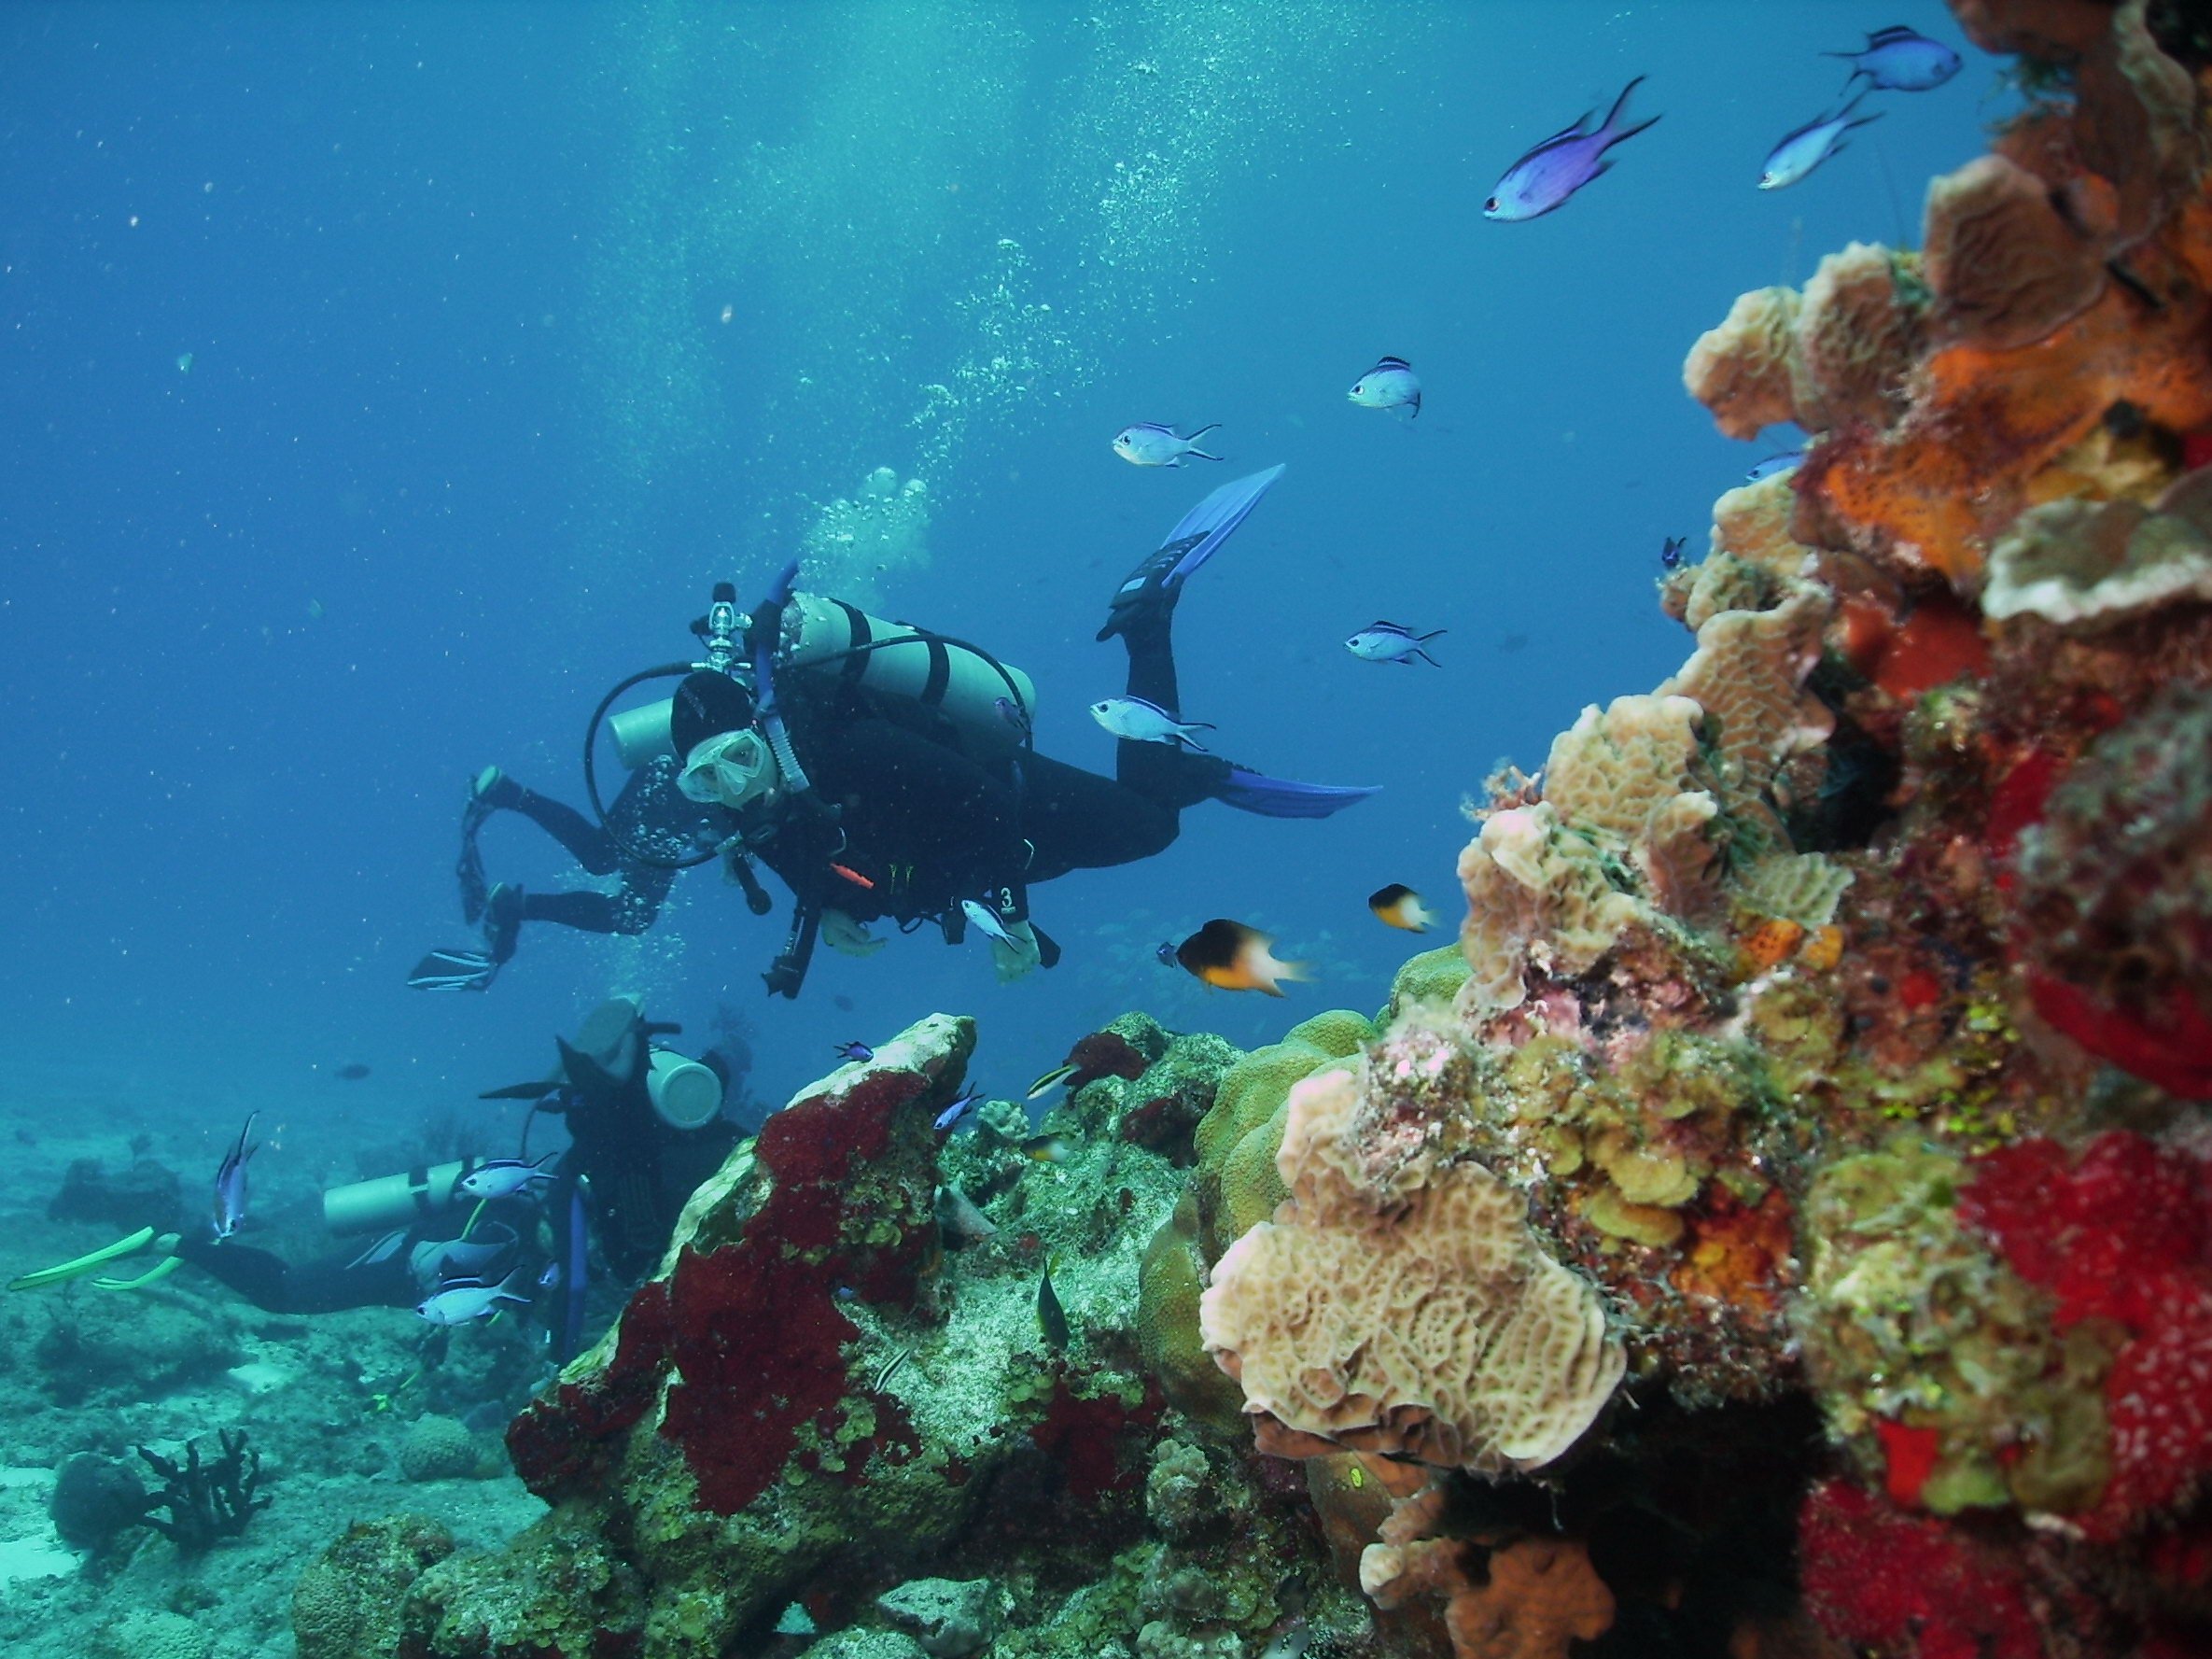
731,770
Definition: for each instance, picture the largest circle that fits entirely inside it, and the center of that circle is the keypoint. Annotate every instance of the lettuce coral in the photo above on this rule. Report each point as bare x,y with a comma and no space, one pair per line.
1398,1304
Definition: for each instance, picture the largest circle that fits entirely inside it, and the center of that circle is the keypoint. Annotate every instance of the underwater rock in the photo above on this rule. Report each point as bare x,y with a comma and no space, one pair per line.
811,1379
94,1499
949,1618
438,1449
141,1194
348,1601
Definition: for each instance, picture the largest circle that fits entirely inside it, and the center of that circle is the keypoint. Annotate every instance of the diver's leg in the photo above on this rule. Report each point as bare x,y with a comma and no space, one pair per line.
1165,773
580,838
588,912
1078,821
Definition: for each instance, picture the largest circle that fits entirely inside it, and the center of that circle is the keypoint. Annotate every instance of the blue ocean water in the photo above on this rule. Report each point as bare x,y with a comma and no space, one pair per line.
379,384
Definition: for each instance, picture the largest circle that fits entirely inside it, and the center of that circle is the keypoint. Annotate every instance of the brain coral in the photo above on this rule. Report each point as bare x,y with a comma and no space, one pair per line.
1534,889
1400,1305
1741,371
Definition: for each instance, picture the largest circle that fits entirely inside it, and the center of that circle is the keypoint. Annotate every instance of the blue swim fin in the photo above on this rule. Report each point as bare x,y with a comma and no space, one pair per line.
1278,798
1189,544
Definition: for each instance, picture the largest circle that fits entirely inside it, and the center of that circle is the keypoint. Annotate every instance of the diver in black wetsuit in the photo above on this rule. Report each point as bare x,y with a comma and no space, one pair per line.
863,764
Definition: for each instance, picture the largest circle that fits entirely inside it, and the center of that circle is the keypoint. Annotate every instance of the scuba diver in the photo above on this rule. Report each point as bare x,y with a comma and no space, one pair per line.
883,773
460,1239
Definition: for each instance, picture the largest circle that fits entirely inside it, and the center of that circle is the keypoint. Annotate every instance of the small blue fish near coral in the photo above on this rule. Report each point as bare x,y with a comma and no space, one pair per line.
1774,465
1897,60
1392,643
1148,444
858,1053
1391,384
1671,554
1141,722
965,1102
1543,178
458,1300
1808,147
229,1182
503,1177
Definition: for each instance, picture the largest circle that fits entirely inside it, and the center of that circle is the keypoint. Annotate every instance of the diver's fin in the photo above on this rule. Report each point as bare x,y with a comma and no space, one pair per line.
1278,798
84,1264
153,1275
1195,540
454,970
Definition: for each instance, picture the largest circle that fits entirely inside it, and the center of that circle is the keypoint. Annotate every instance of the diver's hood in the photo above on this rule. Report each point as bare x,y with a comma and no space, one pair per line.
732,769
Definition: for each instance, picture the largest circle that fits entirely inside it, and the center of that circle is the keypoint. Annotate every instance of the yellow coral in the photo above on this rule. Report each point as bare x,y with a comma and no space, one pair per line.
1741,371
1534,891
1397,1305
1857,334
1610,771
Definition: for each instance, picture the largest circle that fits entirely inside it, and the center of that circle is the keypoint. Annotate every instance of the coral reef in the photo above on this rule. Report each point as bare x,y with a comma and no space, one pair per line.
348,1600
206,1502
438,1449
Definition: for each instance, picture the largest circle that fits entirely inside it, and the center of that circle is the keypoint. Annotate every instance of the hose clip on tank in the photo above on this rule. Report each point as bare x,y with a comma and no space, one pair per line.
721,628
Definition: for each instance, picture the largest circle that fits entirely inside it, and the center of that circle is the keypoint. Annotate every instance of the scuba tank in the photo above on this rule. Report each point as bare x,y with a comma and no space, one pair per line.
825,639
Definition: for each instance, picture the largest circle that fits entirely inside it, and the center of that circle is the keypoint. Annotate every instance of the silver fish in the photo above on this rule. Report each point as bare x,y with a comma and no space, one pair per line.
1392,643
987,923
1808,147
229,1182
1141,722
503,1177
458,1300
1391,384
1544,178
1148,444
1897,60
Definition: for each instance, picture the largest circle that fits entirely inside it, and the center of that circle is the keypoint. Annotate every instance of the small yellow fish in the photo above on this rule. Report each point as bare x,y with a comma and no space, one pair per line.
1234,957
1401,906
1046,1148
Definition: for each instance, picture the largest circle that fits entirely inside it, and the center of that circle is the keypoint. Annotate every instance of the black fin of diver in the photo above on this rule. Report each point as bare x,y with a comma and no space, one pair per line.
454,970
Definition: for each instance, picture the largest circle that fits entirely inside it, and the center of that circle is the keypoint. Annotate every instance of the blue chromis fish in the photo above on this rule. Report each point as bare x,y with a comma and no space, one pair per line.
1401,906
963,1103
987,921
1811,144
1774,465
229,1182
1671,554
458,1300
1391,384
1544,178
1233,957
1014,715
1897,60
859,1053
1141,722
503,1177
1392,643
1148,444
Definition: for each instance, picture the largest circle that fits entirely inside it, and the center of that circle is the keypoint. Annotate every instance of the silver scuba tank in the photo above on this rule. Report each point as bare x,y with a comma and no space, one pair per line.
827,638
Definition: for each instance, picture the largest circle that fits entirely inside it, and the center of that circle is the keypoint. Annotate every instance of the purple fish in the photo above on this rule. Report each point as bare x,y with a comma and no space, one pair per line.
1544,178
859,1053
503,1177
1672,553
458,1300
968,1100
230,1182
1895,59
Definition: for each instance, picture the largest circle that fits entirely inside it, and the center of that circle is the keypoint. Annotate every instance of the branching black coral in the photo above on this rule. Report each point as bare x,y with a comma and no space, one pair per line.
205,1501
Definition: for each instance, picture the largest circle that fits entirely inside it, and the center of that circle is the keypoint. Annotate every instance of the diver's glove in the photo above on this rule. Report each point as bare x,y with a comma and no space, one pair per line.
1013,961
848,938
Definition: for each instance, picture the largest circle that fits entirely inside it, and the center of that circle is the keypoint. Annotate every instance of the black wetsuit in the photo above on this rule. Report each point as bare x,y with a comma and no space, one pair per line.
923,817
327,1285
